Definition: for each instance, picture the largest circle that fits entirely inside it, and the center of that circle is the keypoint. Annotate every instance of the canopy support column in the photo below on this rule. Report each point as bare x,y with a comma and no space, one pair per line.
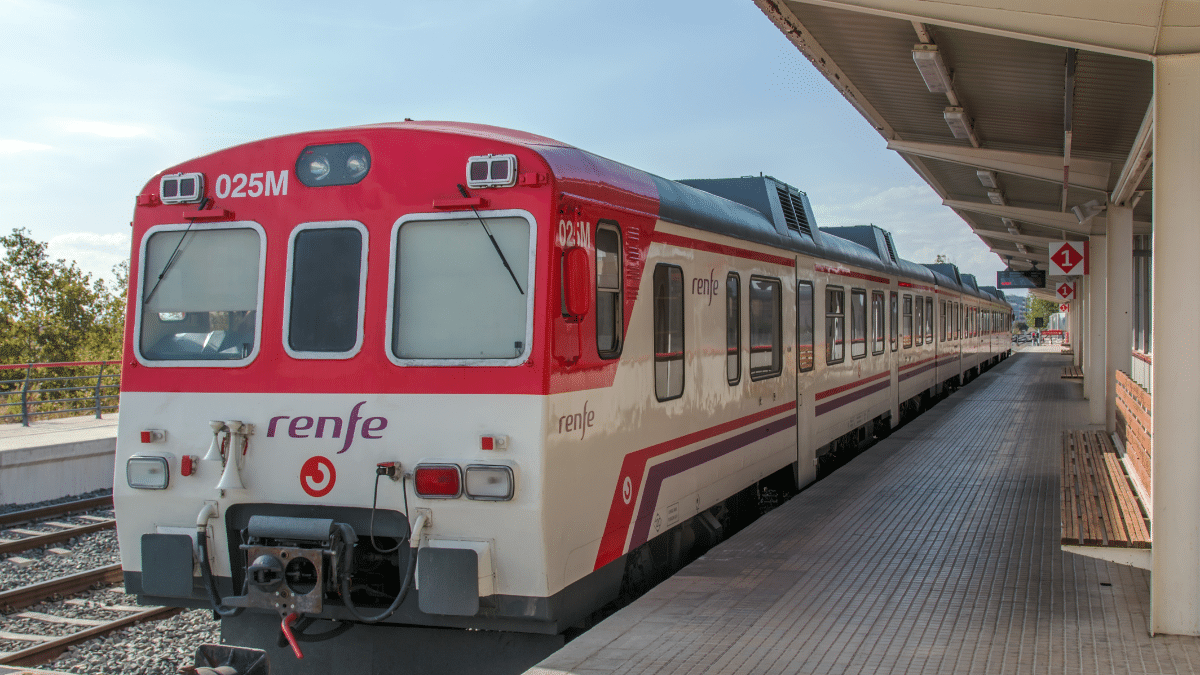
1175,475
1119,335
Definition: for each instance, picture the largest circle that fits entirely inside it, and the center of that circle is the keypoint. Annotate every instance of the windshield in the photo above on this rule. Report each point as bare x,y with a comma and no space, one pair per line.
454,299
200,295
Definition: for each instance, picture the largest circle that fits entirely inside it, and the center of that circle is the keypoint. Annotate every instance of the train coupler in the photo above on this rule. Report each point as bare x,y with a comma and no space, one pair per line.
293,563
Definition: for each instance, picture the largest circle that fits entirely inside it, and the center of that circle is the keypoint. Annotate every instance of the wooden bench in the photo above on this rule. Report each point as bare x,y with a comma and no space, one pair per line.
1072,373
1100,506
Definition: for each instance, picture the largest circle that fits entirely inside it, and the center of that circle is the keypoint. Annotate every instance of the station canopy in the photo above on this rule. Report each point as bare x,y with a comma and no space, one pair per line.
1026,120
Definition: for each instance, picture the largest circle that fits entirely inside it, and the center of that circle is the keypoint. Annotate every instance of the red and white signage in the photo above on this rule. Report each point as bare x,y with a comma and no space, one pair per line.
1068,258
1064,308
1065,291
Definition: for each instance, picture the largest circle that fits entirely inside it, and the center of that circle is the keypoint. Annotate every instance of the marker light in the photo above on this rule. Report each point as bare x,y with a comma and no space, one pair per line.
495,442
437,481
334,164
181,188
489,483
188,464
147,473
492,171
153,435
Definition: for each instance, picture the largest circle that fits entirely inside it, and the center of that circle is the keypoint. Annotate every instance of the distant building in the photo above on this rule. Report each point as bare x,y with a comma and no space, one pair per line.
1018,305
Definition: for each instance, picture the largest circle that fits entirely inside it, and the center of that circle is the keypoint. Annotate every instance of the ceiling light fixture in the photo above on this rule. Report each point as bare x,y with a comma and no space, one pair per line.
960,124
933,68
987,178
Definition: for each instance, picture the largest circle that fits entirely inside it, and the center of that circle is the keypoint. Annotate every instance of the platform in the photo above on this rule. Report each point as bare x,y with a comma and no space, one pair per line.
56,458
936,551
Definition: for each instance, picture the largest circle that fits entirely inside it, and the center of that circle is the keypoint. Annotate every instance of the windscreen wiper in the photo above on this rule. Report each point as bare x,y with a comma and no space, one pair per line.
171,261
500,253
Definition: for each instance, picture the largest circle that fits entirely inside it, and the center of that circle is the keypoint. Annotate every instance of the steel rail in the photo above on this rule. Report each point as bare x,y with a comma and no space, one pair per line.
48,538
50,650
31,515
32,594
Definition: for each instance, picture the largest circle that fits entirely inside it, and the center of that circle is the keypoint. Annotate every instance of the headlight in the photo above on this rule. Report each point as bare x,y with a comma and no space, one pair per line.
318,167
147,473
489,483
357,165
333,164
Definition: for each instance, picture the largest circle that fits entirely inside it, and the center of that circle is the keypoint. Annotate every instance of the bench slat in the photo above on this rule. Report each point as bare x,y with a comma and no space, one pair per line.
1072,512
1095,510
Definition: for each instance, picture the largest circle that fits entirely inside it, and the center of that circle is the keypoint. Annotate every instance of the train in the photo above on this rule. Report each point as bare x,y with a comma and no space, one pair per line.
435,394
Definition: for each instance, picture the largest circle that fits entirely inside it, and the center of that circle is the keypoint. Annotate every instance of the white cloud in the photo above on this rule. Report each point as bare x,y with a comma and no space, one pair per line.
95,253
104,129
11,146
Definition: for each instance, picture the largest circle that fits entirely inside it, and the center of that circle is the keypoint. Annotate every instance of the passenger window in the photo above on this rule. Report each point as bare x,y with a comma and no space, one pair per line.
858,323
454,299
733,329
325,283
929,319
201,289
668,332
766,328
906,335
608,291
920,321
877,314
804,326
942,306
835,324
894,326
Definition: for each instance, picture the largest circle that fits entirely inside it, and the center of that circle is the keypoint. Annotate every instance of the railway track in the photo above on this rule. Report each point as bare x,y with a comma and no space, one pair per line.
44,648
31,539
33,515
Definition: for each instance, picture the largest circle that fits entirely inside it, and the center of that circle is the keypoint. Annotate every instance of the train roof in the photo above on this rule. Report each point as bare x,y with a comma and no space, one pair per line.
758,209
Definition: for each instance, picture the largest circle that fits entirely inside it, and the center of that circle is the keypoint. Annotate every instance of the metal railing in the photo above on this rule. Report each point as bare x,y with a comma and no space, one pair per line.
66,388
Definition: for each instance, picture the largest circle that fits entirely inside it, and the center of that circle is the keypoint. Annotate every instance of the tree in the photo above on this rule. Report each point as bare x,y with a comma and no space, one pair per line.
51,311
1038,308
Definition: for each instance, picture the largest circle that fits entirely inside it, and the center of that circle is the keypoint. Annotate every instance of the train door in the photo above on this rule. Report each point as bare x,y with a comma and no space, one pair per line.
893,352
806,458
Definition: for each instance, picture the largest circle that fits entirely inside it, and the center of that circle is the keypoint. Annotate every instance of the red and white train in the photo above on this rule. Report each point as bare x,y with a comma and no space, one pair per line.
432,375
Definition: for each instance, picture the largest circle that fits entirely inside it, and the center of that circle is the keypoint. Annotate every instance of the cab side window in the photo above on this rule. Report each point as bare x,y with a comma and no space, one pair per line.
608,291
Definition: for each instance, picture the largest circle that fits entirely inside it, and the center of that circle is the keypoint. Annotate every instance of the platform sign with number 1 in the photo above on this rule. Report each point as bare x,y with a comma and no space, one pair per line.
1069,258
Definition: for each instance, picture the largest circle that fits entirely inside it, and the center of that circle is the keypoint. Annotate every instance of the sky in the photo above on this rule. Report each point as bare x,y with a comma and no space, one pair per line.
99,97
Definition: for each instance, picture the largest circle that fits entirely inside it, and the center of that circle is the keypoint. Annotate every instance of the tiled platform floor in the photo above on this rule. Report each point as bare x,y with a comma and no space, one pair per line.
934,552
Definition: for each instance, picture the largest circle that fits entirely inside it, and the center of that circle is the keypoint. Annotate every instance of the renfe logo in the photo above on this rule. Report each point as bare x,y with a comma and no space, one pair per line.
317,476
298,426
702,286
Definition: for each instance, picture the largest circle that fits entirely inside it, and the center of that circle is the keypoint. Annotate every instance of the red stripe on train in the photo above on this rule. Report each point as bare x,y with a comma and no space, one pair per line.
620,514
